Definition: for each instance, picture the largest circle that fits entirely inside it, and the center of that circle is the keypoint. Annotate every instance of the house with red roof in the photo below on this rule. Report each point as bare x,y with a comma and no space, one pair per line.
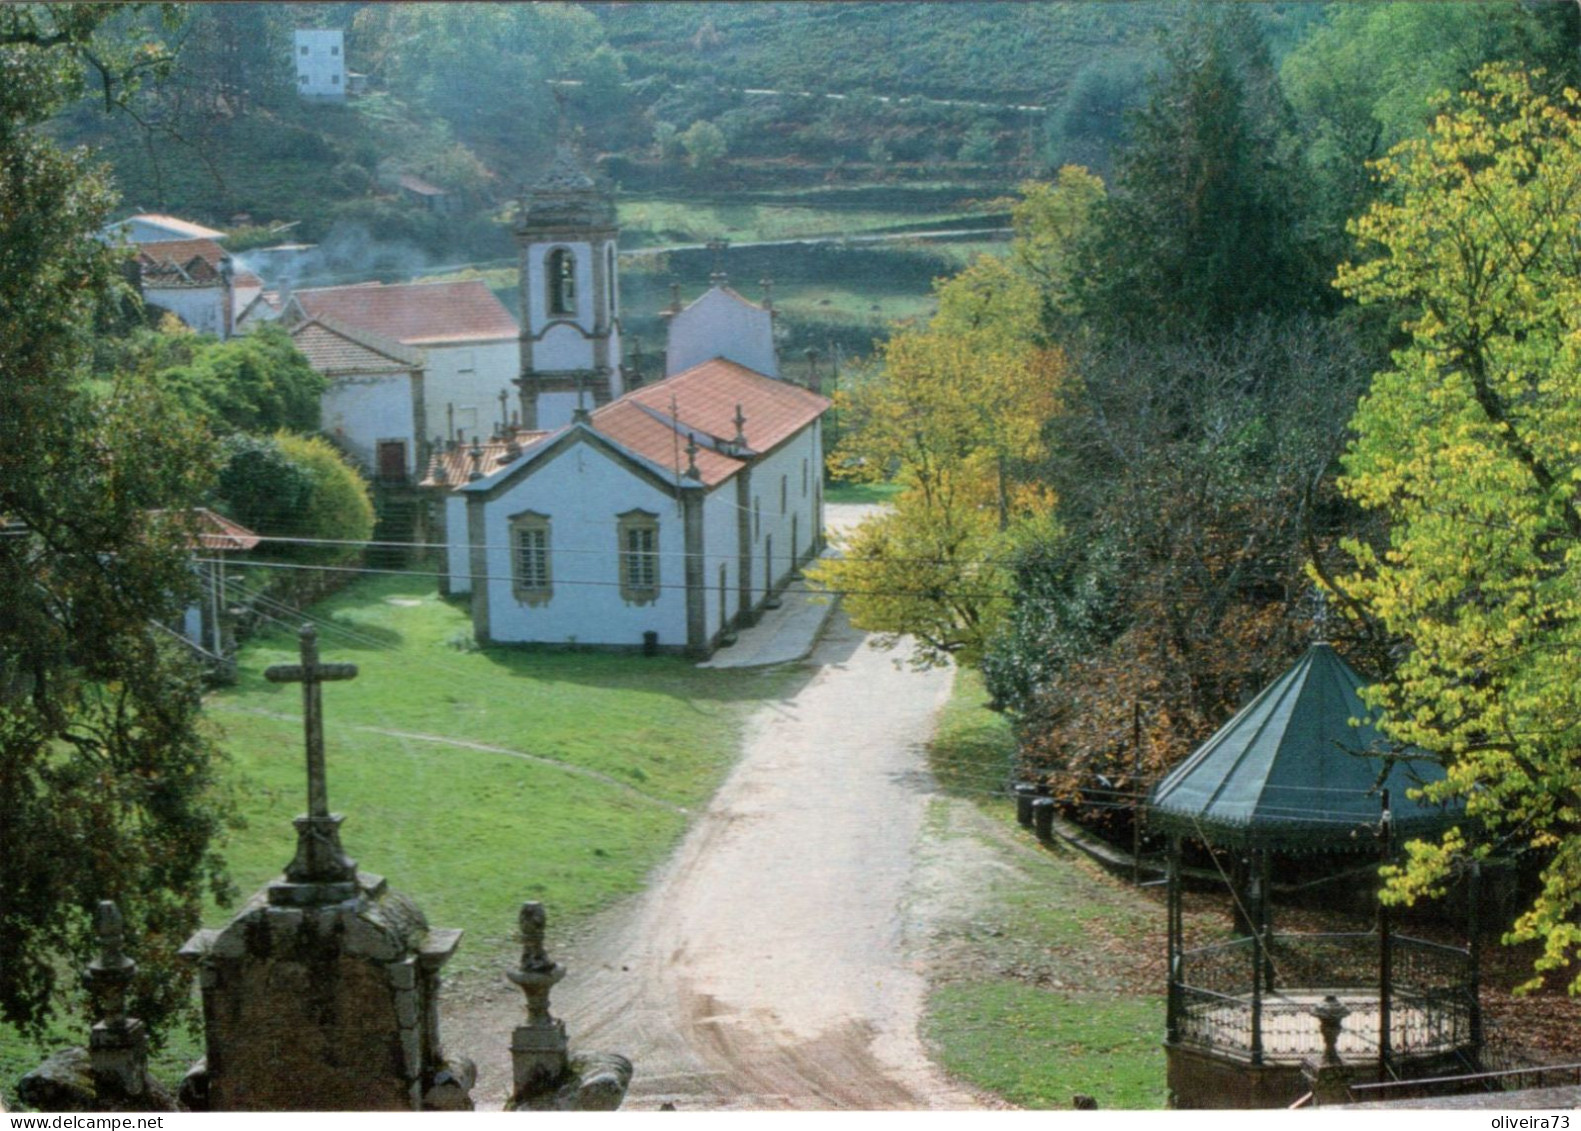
197,281
469,341
374,402
661,520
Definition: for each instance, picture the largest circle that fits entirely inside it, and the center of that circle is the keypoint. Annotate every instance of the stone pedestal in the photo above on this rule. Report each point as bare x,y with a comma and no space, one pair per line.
318,1003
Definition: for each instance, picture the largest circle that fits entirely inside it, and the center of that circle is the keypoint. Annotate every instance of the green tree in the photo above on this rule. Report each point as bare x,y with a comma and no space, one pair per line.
256,383
1469,444
705,144
954,414
107,778
1200,229
288,486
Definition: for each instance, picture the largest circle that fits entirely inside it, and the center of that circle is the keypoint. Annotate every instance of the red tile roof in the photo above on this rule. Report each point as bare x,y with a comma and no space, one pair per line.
181,262
212,531
335,349
657,421
415,313
452,467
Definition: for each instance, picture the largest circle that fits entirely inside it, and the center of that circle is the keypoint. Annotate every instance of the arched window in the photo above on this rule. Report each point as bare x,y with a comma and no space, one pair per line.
559,281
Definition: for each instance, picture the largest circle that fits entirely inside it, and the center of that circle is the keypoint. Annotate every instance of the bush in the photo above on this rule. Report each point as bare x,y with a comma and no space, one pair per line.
257,383
288,486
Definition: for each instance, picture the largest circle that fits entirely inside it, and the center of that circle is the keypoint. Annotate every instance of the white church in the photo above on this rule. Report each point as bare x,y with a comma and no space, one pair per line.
657,518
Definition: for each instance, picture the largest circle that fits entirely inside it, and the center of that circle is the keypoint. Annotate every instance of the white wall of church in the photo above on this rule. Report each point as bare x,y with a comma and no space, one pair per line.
719,325
469,376
582,491
360,411
720,552
562,347
775,527
458,554
555,409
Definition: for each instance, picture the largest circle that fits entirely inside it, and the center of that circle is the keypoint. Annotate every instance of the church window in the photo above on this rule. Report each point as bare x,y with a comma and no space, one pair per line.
639,556
531,581
804,479
560,281
757,518
784,493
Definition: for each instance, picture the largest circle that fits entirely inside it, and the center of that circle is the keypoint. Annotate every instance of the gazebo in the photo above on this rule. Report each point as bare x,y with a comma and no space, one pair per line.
1301,769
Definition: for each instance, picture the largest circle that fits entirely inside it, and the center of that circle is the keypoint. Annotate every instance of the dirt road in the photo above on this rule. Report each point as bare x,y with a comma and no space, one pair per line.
772,964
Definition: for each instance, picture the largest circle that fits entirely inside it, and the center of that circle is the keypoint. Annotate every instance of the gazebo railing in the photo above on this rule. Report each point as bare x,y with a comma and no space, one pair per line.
1432,998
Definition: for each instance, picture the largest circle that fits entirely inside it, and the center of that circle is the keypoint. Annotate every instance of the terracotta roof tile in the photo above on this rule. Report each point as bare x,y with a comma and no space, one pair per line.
456,462
335,349
702,400
415,313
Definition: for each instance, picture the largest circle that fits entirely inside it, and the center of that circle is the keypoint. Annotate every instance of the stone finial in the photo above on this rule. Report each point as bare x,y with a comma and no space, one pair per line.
740,438
691,458
675,298
767,283
718,277
1330,1014
538,1048
111,973
476,456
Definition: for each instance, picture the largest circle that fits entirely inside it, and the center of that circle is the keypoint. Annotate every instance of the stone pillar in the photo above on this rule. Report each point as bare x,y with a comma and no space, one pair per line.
546,1075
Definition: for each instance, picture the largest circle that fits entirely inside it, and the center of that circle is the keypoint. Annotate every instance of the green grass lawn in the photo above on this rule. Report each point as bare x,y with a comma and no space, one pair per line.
845,491
592,762
649,221
1045,999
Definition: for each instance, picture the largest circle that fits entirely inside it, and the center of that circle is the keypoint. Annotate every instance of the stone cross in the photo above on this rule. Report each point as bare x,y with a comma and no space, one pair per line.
310,673
321,871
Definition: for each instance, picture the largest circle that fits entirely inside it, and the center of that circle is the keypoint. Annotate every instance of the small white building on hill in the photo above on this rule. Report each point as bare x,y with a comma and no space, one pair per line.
468,339
320,56
662,520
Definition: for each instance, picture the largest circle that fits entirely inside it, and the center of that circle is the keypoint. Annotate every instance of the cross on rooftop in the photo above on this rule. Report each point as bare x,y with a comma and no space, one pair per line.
310,673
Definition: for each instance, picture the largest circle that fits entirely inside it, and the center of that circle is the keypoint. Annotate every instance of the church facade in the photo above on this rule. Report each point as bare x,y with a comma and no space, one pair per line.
660,518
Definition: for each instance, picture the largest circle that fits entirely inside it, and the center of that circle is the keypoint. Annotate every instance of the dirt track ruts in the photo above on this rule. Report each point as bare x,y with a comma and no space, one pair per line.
772,964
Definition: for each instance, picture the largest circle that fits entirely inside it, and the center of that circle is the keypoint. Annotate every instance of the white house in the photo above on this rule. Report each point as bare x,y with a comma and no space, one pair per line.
661,520
468,339
721,323
320,64
374,403
197,281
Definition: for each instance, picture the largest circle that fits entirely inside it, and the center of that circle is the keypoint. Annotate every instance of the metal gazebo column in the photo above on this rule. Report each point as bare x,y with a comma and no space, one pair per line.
1385,949
1175,945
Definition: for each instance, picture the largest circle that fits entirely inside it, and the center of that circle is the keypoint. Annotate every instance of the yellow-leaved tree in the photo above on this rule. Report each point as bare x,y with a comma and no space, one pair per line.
1471,444
954,413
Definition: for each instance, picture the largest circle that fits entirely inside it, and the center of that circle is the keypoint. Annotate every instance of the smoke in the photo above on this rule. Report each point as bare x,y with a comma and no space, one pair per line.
348,254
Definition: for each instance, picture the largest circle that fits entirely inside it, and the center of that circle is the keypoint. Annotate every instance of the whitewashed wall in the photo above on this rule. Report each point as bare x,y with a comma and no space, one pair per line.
202,308
360,411
470,377
720,549
719,325
787,462
582,490
458,553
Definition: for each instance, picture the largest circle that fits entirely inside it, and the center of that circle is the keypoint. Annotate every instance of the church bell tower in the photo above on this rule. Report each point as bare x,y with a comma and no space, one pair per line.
570,317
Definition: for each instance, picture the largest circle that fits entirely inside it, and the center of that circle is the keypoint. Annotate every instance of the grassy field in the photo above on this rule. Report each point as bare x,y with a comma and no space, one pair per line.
650,221
472,779
1044,994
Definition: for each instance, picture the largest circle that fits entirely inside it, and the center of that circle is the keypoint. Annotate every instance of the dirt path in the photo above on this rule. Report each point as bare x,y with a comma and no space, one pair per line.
772,963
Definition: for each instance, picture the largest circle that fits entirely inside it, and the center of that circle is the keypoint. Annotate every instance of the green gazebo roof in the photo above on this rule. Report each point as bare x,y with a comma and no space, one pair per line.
1290,773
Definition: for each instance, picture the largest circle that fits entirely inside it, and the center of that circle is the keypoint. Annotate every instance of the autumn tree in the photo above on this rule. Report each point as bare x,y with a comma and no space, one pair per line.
1194,481
1469,444
107,780
952,412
